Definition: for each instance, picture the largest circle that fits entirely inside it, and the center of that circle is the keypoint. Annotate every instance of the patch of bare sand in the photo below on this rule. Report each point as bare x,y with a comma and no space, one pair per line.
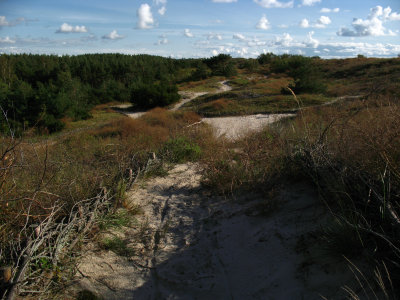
190,244
235,127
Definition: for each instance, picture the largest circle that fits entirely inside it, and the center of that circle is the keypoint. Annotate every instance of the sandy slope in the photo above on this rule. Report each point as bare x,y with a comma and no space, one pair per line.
234,127
189,244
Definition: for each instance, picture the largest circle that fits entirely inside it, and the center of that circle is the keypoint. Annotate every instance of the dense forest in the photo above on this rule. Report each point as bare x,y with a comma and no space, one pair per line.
42,90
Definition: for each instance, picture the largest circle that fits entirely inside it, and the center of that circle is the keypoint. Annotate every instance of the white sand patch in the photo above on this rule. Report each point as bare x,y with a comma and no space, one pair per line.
234,127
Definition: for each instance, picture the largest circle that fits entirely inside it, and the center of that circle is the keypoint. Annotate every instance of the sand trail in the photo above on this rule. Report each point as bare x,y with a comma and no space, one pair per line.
190,244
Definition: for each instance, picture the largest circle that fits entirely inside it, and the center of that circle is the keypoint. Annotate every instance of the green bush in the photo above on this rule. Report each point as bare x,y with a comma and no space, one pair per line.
306,76
180,149
152,95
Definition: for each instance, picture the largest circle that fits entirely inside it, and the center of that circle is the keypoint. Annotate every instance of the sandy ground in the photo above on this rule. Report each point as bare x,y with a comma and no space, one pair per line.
189,244
235,127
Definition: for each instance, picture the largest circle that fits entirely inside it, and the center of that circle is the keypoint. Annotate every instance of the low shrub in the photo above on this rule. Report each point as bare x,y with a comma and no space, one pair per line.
180,149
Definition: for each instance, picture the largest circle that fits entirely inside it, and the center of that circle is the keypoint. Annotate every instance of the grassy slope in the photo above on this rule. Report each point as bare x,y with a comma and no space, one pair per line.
252,94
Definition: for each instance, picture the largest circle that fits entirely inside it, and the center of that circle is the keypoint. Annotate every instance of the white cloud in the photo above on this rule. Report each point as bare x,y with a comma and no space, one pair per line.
66,28
214,36
388,15
113,35
263,23
163,9
145,17
323,21
163,41
285,40
274,3
188,33
224,1
329,10
256,43
3,21
372,25
7,40
304,23
239,36
310,41
309,2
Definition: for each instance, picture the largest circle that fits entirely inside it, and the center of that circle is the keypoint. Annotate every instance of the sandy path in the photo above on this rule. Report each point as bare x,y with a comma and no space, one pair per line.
187,97
189,244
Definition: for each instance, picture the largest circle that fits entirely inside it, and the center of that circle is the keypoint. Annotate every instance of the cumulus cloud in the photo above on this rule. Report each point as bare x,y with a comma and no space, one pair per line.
372,25
7,40
239,36
309,2
329,10
263,23
284,40
113,35
224,1
323,21
304,23
163,9
3,21
388,15
161,2
162,41
145,17
214,36
256,43
320,23
66,28
188,33
310,41
274,3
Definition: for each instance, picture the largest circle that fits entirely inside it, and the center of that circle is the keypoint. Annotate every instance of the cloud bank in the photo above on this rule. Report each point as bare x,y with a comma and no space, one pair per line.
66,28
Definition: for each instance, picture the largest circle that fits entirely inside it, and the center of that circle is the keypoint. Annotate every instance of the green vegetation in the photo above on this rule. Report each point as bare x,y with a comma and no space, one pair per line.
42,181
349,150
117,245
180,149
45,91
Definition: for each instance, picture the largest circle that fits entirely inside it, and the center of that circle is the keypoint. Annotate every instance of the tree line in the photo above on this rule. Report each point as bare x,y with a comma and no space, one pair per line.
43,90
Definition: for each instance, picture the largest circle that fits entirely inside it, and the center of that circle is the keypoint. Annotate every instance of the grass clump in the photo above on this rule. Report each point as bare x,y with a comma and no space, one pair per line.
118,246
180,149
118,219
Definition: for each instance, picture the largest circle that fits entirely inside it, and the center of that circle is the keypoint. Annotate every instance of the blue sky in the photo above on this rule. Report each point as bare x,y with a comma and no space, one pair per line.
201,28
